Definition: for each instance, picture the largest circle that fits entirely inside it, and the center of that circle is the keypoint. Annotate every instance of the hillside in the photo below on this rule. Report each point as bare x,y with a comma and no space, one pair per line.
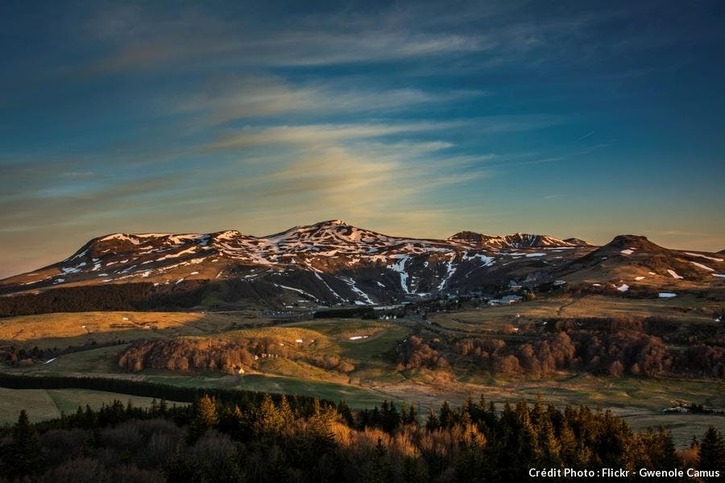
631,262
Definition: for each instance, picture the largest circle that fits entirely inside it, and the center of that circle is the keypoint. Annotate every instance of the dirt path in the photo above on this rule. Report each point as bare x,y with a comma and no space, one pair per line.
559,311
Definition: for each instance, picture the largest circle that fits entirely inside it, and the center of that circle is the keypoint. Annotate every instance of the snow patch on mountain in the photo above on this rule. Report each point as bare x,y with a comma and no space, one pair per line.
121,237
76,269
189,251
328,286
299,291
485,260
353,286
399,267
673,273
704,267
450,270
79,255
704,256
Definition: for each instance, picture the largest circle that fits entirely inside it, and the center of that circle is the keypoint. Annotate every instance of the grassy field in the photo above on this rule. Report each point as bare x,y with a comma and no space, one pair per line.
42,404
686,308
355,396
78,329
639,401
90,362
367,347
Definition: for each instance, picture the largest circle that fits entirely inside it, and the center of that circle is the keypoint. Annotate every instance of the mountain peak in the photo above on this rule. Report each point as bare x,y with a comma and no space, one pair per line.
517,240
633,242
577,241
335,222
624,247
468,236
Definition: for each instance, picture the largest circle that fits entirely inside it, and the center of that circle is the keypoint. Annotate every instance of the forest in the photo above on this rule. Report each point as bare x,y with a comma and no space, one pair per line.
606,347
273,438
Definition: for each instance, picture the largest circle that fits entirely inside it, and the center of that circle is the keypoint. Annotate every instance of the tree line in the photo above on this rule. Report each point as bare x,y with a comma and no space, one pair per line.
609,352
274,439
116,296
241,398
612,348
229,356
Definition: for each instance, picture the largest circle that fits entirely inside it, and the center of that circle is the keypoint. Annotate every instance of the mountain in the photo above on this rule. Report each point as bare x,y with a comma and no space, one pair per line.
518,240
628,246
576,241
327,263
631,259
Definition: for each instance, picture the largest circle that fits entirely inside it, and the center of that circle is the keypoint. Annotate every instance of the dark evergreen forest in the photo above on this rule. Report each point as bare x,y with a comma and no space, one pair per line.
229,436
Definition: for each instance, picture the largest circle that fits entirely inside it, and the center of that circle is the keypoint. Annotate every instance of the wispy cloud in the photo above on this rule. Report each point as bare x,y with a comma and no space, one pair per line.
229,97
133,115
201,37
312,135
586,136
62,204
145,38
352,170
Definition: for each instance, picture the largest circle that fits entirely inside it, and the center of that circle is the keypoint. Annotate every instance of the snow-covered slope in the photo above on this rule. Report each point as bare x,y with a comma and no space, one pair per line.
326,247
517,240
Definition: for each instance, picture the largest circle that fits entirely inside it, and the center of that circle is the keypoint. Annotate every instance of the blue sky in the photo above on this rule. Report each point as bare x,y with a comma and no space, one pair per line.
585,119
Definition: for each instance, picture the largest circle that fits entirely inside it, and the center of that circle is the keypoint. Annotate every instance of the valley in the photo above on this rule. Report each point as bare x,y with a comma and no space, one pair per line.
364,361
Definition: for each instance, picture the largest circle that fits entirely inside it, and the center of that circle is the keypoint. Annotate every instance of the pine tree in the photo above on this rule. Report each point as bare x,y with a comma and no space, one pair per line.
433,422
23,456
316,407
569,451
344,410
712,451
548,444
154,409
412,416
380,469
286,414
163,407
206,412
525,442
663,450
446,416
472,464
90,418
611,440
268,419
469,408
390,417
205,417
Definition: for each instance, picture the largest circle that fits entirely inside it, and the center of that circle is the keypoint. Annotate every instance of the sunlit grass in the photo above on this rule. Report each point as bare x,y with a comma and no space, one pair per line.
42,404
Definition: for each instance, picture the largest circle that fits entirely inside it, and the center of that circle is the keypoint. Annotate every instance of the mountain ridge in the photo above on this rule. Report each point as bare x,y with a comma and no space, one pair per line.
516,240
332,262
